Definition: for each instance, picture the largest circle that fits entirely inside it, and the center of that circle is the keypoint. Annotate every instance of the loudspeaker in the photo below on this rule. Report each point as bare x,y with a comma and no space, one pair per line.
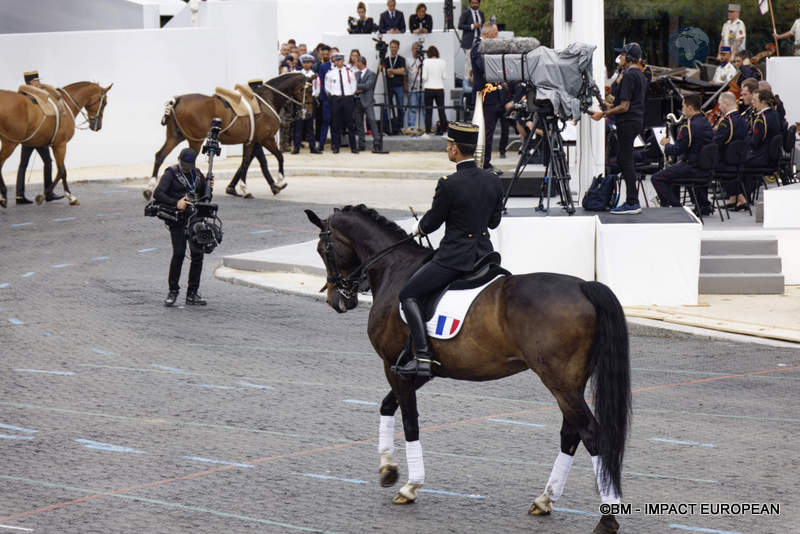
567,10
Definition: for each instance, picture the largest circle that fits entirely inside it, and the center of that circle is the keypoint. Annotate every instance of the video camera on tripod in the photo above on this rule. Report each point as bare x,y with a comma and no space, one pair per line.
381,46
203,226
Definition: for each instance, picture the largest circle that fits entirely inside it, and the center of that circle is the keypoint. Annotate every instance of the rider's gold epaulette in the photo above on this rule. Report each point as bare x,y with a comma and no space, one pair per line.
444,177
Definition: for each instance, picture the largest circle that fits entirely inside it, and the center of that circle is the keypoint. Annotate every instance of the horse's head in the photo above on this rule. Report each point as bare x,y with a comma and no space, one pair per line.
340,260
96,104
303,92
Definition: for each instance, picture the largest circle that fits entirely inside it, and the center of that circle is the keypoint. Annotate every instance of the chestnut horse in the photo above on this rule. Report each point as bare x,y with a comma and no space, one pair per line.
188,117
562,328
23,122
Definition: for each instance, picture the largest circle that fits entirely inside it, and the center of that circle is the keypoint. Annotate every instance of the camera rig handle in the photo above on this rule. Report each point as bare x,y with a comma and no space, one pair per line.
212,148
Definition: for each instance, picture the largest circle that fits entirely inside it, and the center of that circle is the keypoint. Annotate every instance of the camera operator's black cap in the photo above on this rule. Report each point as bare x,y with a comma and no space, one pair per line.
463,133
187,157
631,50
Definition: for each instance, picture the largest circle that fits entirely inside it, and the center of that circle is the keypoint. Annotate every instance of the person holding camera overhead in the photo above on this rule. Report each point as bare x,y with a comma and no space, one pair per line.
176,185
420,21
362,24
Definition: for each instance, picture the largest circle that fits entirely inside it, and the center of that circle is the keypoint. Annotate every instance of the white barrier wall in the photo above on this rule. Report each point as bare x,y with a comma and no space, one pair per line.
783,73
35,16
147,67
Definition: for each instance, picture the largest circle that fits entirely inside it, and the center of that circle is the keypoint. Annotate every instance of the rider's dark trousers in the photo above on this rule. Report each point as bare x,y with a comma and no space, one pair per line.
429,278
24,158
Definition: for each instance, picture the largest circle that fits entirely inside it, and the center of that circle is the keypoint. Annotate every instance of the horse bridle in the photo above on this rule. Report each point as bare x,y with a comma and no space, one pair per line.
289,98
347,286
83,111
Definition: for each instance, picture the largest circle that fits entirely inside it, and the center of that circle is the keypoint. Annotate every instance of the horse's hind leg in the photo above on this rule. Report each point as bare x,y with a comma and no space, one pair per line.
270,145
570,439
174,138
388,468
248,152
6,148
60,153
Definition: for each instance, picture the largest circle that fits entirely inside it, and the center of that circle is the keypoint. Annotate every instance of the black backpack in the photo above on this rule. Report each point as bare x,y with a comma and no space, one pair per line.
602,194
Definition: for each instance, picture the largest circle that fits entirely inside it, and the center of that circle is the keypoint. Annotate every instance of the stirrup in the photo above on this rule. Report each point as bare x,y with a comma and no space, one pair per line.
415,367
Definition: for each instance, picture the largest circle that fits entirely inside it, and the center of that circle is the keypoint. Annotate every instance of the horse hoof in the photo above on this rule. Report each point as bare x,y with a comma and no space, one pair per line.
3,203
248,195
542,505
147,194
231,191
74,201
39,199
278,188
607,525
388,476
399,498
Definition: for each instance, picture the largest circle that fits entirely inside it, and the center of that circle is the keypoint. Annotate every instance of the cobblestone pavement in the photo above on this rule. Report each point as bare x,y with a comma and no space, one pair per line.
258,413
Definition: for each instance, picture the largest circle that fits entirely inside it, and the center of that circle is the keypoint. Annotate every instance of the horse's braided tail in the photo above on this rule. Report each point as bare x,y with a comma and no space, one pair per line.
169,109
609,364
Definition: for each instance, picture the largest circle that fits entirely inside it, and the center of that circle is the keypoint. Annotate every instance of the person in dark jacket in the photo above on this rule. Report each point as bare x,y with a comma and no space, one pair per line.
174,188
420,21
694,135
767,125
732,127
494,96
470,24
468,202
362,24
392,20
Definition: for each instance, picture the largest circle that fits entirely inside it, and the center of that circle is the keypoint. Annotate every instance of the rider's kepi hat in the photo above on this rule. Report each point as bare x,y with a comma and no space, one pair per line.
187,157
464,133
32,75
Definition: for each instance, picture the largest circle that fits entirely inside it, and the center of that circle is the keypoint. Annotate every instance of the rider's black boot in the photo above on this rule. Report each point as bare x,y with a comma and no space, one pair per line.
421,364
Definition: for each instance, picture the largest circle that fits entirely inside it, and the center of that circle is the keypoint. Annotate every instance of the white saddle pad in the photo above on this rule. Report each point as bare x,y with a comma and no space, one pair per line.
451,311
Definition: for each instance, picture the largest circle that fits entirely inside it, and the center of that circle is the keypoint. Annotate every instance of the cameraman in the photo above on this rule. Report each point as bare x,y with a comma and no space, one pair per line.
176,185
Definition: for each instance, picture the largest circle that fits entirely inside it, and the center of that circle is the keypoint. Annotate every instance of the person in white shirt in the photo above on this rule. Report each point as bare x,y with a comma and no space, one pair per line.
794,33
433,76
734,33
340,84
726,70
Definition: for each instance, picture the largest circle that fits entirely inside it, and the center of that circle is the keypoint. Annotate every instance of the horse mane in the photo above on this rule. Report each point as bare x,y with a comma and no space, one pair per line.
377,218
283,79
76,84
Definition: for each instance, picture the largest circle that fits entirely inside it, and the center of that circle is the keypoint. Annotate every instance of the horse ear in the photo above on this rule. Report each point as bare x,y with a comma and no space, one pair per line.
315,220
107,88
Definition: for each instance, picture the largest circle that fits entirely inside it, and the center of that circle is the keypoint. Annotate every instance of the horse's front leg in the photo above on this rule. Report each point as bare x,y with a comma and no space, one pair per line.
6,148
388,468
60,153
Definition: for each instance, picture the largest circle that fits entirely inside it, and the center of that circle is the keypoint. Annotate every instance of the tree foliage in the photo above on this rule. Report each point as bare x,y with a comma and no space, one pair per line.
526,18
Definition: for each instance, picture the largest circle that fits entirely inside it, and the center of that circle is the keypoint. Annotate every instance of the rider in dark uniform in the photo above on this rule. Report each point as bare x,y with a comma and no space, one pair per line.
469,202
694,135
32,78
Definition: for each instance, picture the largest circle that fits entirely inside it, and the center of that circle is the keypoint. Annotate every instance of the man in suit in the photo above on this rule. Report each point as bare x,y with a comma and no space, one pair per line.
470,24
732,127
392,20
365,107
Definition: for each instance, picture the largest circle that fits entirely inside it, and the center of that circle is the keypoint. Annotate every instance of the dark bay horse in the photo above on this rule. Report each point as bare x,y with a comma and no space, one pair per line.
23,122
188,117
562,328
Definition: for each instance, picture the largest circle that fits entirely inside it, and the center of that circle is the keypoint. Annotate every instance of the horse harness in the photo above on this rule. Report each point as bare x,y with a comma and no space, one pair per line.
348,286
90,120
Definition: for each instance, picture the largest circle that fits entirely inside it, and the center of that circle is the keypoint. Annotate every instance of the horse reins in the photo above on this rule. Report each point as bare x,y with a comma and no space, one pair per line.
84,113
287,97
347,286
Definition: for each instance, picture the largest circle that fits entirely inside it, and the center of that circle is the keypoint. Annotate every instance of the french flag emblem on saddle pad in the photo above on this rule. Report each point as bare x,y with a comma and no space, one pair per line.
451,312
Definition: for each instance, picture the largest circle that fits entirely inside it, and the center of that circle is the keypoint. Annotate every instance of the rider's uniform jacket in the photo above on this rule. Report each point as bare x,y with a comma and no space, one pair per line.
469,202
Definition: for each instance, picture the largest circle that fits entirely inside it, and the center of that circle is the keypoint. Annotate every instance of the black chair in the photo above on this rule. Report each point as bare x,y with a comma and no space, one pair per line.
787,159
735,154
775,153
706,166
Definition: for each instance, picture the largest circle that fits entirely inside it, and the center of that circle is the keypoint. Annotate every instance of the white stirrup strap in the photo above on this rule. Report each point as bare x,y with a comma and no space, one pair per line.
252,119
58,119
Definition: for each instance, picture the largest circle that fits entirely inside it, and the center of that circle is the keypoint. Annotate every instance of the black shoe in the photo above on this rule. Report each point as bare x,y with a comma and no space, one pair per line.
362,148
194,299
172,296
707,210
335,150
416,367
379,151
315,150
421,364
731,206
296,151
231,190
740,207
502,155
354,151
23,200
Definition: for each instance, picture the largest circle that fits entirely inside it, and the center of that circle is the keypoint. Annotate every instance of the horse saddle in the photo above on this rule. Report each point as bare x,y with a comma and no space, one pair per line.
241,107
250,96
444,312
48,99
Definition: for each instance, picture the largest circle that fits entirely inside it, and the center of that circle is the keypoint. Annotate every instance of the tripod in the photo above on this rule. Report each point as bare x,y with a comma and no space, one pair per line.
557,167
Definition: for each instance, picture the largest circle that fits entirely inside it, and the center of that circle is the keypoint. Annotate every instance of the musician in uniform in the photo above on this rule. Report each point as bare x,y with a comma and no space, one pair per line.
726,71
32,78
777,103
693,136
765,127
749,87
304,126
493,96
469,203
743,62
794,33
734,33
732,127
340,84
174,188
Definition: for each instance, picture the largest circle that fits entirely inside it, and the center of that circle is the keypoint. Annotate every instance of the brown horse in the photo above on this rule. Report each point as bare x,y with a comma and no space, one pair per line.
187,117
562,328
23,122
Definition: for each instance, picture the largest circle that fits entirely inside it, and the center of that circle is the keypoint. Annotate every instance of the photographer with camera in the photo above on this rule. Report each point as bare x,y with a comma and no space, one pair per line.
178,184
362,24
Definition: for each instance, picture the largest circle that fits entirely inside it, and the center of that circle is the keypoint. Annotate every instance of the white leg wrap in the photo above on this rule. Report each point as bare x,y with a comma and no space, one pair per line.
558,476
416,467
242,188
607,494
151,185
280,179
386,434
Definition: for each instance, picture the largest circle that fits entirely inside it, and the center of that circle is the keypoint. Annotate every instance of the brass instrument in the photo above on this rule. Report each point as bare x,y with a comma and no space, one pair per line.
674,125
